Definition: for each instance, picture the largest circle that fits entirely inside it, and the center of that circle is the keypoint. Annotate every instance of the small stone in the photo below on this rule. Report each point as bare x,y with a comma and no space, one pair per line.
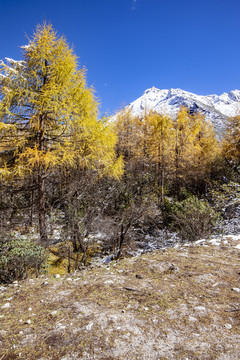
139,276
28,322
57,276
29,309
228,326
89,326
6,306
200,308
53,313
191,318
69,279
20,332
236,289
44,283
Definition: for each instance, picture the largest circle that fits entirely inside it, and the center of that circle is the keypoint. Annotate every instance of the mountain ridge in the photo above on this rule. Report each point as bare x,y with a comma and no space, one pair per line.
216,108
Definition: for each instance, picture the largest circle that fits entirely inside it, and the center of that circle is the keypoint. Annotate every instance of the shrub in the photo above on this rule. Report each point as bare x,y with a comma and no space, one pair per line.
19,257
193,218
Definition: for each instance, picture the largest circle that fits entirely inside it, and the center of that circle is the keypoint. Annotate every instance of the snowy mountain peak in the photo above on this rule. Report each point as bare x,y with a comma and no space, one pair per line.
168,102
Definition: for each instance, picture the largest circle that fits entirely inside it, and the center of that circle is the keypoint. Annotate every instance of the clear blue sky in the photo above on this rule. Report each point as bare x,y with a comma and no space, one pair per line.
131,45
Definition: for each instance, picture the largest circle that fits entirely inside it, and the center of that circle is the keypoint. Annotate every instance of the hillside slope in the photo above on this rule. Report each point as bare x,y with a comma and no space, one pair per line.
179,303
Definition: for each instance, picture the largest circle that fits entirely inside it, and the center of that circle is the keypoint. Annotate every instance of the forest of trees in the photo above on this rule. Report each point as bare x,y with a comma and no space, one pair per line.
62,166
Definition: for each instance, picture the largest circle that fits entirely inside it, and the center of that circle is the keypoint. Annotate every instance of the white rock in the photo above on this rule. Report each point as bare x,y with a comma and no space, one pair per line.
237,246
191,318
89,326
61,327
6,306
29,309
28,322
108,282
228,326
236,289
200,308
69,279
53,313
57,276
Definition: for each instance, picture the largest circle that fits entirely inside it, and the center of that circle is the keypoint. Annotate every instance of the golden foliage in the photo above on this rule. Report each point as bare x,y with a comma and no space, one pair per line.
48,116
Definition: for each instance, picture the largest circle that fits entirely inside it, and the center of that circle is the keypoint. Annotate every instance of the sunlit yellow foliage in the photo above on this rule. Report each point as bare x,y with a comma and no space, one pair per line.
48,115
231,141
196,145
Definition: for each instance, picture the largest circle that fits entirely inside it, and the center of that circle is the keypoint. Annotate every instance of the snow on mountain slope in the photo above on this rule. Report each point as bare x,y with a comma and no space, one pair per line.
168,102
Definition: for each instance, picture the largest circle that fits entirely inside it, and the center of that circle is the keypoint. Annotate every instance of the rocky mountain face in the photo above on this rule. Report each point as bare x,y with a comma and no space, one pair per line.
168,102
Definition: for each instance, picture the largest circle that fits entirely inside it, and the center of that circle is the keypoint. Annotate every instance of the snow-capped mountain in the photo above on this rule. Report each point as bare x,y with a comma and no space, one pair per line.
168,102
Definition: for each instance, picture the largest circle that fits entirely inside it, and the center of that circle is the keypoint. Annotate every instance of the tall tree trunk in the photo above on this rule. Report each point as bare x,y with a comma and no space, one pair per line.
162,171
41,175
41,188
41,207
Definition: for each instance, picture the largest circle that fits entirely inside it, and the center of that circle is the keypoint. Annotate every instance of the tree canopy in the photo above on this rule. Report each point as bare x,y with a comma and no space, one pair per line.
48,114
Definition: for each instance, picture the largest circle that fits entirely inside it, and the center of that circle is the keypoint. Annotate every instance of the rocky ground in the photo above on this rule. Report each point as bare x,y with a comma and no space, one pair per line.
175,303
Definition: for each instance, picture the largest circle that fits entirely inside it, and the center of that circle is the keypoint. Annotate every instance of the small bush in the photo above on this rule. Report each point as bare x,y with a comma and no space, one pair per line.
193,218
19,257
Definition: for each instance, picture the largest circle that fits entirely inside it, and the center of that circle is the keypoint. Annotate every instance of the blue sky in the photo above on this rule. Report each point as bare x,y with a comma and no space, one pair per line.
128,46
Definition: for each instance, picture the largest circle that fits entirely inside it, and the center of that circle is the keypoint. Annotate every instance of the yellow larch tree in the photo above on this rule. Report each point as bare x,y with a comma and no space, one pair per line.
160,148
195,147
231,142
206,149
49,116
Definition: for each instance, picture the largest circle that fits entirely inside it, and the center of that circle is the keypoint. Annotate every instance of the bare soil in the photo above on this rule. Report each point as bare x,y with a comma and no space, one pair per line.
180,303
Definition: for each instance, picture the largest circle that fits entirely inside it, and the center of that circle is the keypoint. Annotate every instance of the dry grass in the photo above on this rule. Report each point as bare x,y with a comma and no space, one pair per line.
173,304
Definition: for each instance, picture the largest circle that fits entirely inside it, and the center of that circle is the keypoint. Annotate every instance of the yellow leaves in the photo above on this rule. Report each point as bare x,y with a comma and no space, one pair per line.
53,115
34,158
5,173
